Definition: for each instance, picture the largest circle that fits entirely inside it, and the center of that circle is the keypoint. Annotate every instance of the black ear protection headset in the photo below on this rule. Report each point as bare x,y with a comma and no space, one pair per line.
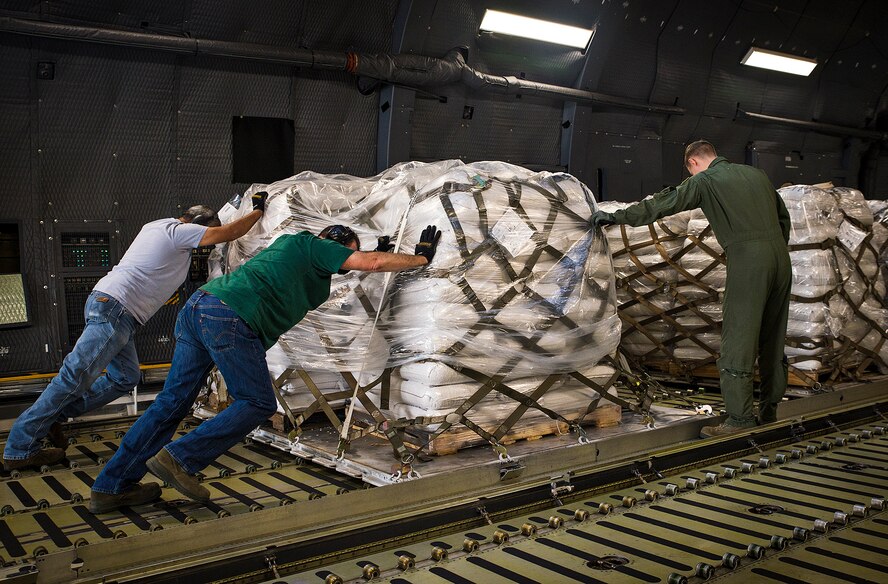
342,235
207,219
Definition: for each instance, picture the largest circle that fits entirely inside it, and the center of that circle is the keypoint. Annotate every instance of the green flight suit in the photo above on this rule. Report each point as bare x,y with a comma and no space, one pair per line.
751,223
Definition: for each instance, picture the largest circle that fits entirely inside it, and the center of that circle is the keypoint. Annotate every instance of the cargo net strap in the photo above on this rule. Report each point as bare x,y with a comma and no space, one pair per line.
853,357
645,286
525,401
647,389
487,319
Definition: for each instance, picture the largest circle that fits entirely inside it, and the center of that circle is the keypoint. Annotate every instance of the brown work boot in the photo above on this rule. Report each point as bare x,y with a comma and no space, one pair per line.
723,429
138,494
57,436
41,457
165,467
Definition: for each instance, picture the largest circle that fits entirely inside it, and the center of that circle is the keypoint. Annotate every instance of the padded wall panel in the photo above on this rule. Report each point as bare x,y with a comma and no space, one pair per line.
689,36
104,131
630,69
272,22
33,347
211,91
614,121
622,168
144,14
332,24
784,167
453,24
335,125
523,131
15,124
848,105
349,25
31,7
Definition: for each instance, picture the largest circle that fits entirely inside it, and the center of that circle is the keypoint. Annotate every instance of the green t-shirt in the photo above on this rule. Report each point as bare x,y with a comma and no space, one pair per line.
274,290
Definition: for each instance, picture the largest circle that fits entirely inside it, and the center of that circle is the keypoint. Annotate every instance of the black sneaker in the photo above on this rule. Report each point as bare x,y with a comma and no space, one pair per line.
45,456
138,494
165,467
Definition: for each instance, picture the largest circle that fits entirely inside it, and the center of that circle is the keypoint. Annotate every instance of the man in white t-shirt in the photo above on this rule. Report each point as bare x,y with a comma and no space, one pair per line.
153,267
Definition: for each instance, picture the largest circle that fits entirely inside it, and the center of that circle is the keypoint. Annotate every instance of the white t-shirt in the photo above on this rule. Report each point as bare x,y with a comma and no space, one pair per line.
155,264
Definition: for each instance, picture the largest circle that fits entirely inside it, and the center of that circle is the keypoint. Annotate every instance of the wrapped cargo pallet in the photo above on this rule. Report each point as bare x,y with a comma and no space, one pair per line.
670,289
520,291
504,332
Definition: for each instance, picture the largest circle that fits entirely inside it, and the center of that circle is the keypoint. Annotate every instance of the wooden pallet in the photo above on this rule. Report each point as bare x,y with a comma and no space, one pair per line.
459,436
709,372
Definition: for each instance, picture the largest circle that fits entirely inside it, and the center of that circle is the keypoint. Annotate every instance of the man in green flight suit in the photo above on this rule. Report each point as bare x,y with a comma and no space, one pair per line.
751,223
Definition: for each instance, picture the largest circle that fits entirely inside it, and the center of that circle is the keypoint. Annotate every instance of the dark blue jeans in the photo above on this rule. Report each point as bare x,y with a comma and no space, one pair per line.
207,332
105,344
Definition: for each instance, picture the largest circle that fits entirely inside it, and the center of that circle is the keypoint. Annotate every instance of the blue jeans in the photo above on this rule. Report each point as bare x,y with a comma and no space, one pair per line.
207,332
106,343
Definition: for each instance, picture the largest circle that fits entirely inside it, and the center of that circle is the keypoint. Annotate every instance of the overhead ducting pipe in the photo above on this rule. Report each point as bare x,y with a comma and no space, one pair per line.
819,127
411,70
419,71
186,45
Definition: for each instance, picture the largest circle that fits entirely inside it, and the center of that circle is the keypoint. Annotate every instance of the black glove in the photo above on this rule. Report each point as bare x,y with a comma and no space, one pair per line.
602,219
259,201
384,243
428,241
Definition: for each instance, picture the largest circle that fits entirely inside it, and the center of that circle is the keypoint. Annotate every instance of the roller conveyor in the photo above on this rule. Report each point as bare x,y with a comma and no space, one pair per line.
788,514
645,506
43,512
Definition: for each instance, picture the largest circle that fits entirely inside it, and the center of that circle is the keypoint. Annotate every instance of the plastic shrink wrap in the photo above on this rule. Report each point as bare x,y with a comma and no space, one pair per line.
815,217
520,288
880,232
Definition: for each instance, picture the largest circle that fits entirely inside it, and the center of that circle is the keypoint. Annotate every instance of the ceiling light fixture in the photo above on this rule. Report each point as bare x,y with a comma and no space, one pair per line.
778,62
533,28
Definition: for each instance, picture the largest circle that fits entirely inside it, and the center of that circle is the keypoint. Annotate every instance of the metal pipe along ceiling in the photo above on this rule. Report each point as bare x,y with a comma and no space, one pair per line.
413,70
819,127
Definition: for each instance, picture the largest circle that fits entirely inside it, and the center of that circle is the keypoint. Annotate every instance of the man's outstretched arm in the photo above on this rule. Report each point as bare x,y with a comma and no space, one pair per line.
238,228
380,261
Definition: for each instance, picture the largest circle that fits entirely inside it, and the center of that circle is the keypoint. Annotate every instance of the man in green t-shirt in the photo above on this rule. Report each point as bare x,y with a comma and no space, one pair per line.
231,322
751,223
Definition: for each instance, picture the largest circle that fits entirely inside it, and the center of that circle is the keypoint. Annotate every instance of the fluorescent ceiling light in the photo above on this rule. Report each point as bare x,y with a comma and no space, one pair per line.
533,28
778,62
